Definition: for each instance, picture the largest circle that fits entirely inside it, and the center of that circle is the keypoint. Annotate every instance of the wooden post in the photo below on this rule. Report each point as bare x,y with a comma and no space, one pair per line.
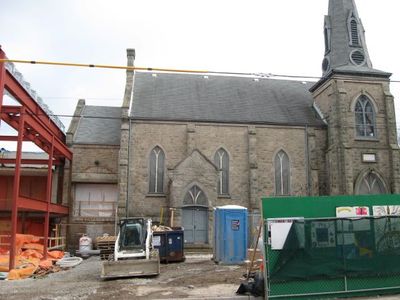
171,222
255,247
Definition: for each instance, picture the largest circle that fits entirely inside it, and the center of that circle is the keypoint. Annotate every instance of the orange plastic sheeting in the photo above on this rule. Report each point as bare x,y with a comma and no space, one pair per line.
46,264
32,253
29,258
33,246
25,269
4,263
56,254
22,239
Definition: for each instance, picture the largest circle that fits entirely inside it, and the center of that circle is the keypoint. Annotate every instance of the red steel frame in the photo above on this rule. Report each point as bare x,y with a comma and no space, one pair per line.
33,124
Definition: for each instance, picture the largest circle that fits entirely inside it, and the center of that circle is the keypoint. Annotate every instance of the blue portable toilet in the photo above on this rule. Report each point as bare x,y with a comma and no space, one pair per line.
230,234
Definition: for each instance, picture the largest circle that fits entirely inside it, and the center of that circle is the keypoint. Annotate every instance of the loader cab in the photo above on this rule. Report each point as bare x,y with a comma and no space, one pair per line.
133,234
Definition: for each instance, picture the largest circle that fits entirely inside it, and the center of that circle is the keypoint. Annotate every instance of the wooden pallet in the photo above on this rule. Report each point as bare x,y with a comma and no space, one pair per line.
106,246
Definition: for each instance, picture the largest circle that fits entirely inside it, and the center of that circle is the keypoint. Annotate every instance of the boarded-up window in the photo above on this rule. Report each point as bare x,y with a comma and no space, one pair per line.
95,200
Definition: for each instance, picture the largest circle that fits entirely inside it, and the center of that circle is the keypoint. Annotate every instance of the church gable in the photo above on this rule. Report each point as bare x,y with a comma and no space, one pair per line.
195,158
194,169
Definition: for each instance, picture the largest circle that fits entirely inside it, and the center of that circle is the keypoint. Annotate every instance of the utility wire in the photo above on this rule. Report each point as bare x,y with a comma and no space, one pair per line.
132,118
132,68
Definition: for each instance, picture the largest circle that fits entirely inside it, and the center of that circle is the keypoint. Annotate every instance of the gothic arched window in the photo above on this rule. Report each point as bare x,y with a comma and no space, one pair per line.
156,170
282,173
355,40
365,117
221,159
327,37
194,197
371,184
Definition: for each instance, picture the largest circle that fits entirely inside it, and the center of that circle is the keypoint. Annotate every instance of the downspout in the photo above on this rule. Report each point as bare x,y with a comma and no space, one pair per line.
128,170
307,156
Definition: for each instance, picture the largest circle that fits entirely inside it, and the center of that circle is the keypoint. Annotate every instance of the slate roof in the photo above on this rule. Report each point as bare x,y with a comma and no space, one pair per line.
99,125
222,99
339,55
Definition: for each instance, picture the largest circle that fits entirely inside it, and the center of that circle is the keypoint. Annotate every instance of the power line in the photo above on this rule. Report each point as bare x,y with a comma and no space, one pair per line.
133,118
133,68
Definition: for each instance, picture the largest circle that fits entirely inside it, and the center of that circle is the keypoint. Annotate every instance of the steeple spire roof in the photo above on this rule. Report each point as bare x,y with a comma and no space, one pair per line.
345,46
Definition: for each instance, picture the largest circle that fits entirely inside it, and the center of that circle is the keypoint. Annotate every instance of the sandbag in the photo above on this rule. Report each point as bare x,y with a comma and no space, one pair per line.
23,271
34,246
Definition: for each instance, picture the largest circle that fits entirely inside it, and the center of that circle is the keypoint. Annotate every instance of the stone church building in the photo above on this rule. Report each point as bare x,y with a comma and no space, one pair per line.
182,144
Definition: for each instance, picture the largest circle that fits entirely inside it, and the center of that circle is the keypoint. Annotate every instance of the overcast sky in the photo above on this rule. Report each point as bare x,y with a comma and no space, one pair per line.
268,36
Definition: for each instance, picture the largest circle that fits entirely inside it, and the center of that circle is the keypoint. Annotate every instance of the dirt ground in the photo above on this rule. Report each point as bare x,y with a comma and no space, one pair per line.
196,278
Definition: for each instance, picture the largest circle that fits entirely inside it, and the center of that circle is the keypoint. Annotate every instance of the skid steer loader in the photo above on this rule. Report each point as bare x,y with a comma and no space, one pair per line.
134,255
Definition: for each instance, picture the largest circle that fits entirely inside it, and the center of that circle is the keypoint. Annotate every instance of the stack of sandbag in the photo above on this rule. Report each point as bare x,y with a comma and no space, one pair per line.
29,258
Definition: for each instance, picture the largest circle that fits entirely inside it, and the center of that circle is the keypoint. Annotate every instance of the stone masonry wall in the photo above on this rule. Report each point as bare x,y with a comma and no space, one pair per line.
336,99
208,138
91,164
95,164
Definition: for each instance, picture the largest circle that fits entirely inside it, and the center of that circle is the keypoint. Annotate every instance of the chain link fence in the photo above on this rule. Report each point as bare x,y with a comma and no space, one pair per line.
333,256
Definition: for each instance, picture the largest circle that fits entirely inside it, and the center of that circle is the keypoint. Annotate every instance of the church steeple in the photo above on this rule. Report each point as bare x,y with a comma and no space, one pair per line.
345,45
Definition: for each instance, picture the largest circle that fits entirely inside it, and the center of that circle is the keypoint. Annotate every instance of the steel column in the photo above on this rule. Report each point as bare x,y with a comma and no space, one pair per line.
2,78
17,177
48,197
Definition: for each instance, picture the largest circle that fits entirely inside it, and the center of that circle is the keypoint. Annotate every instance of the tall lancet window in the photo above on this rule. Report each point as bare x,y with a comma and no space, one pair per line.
365,117
221,160
327,39
282,173
156,170
354,35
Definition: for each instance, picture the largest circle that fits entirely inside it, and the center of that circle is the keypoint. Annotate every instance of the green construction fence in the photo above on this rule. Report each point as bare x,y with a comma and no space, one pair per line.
321,256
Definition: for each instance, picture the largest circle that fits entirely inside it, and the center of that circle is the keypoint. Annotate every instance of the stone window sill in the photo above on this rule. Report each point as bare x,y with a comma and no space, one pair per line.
366,139
160,195
225,196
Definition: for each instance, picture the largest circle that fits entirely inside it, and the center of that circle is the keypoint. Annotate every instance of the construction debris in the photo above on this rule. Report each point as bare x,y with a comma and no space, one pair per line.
29,259
161,228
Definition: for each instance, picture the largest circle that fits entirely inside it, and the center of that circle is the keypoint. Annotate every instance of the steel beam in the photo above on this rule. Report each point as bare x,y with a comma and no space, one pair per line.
27,161
11,138
38,205
2,77
27,204
11,114
32,107
17,175
48,198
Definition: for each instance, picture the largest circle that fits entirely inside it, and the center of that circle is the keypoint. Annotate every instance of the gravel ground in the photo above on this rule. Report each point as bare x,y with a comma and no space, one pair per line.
196,278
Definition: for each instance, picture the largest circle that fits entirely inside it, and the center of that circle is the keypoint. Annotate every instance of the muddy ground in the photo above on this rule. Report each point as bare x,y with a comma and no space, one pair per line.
196,278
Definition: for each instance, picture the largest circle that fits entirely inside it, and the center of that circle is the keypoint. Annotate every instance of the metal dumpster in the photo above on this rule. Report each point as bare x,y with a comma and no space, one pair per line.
170,245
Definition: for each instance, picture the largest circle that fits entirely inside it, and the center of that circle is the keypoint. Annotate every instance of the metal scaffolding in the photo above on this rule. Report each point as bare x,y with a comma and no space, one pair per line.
34,124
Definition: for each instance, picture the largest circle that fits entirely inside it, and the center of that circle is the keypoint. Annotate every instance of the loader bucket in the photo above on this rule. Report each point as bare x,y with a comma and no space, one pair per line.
130,268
